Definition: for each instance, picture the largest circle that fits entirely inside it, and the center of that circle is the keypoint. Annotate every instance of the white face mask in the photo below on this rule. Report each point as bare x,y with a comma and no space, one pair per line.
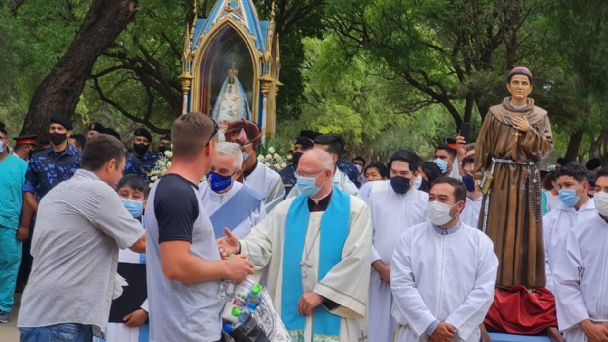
1,146
601,202
417,182
439,213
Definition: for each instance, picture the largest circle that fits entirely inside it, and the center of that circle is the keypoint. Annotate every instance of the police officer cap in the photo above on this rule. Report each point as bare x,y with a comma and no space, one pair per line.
142,132
63,121
26,139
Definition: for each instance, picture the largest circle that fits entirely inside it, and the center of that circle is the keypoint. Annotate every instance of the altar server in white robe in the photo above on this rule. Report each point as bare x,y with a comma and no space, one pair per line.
442,273
470,213
257,176
395,206
227,202
581,274
317,248
573,191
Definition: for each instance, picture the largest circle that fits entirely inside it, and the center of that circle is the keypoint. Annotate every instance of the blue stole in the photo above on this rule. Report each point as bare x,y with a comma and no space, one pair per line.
335,226
233,212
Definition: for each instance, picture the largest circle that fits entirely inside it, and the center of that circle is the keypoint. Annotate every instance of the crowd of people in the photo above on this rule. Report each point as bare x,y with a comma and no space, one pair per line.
348,250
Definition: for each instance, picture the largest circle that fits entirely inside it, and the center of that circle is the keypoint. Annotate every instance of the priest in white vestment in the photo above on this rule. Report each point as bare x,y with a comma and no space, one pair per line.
395,206
581,275
317,250
257,176
573,191
442,273
227,202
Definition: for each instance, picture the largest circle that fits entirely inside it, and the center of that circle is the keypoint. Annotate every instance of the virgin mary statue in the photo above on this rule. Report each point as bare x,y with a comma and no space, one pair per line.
231,102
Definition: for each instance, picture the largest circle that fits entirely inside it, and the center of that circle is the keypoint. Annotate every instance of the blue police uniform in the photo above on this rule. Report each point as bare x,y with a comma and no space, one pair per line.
141,166
47,168
288,176
350,170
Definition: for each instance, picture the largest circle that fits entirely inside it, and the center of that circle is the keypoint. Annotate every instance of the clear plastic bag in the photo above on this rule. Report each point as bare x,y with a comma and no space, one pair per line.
264,317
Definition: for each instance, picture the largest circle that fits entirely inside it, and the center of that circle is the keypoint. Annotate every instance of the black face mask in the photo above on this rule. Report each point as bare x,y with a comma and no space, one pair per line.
295,157
57,138
140,149
162,149
400,185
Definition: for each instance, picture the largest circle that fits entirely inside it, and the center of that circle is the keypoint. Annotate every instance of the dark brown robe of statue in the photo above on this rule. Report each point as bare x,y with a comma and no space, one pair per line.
511,210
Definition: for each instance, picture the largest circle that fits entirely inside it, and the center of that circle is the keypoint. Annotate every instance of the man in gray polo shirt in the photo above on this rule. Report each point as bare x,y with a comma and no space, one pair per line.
184,268
81,225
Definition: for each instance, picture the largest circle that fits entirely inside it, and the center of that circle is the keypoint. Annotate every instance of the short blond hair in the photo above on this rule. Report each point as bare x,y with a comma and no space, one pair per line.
190,134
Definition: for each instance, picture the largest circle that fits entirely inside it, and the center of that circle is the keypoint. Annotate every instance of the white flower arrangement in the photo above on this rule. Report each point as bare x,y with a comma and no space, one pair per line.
162,165
273,159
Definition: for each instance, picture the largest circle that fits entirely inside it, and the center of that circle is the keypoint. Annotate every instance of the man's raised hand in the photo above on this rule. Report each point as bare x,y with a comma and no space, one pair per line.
237,268
461,147
228,245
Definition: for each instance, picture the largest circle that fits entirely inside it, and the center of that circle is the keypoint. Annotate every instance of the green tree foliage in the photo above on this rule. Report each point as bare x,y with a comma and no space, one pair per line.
351,95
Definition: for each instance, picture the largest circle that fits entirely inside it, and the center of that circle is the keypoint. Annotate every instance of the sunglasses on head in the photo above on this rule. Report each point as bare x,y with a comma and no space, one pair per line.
216,128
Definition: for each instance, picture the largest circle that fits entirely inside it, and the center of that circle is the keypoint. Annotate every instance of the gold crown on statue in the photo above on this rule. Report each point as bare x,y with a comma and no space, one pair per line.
233,71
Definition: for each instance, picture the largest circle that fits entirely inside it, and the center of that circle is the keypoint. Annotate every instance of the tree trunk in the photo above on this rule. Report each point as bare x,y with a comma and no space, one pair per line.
574,145
60,90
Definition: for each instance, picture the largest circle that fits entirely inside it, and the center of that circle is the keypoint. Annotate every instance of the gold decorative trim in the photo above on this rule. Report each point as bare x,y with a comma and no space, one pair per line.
205,39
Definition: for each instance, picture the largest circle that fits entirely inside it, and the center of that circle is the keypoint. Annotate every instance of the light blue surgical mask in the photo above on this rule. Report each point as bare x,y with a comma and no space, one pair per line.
569,197
307,185
442,164
245,156
1,146
135,207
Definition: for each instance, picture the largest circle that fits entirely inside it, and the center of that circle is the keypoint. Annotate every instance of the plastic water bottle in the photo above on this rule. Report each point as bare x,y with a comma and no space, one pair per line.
254,295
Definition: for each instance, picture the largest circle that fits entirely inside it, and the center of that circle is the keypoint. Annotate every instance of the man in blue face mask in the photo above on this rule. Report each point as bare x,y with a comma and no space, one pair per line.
470,213
227,202
573,192
316,248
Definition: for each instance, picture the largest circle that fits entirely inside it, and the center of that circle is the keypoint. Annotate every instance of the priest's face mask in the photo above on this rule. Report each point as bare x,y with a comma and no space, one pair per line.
519,87
226,165
310,167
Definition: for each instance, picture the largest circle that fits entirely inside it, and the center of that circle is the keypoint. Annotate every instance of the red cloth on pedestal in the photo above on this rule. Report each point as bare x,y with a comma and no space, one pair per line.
520,311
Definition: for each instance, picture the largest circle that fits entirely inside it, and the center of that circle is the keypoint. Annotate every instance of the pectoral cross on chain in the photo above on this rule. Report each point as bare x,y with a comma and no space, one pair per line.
305,266
363,338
